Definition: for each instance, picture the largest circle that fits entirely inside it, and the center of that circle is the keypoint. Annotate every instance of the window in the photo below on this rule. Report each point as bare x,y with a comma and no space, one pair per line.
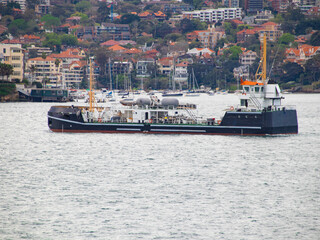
256,89
4,50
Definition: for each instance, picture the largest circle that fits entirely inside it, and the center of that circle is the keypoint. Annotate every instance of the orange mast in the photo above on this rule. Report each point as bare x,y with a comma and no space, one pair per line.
263,63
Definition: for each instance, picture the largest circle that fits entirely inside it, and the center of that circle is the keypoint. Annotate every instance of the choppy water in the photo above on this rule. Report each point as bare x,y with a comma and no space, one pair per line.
136,186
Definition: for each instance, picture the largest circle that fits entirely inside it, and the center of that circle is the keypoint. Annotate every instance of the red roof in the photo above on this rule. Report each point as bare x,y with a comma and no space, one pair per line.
117,48
133,51
110,43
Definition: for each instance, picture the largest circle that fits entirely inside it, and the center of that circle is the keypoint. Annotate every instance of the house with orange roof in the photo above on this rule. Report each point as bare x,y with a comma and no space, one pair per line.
302,53
75,20
109,43
200,51
208,38
69,56
165,65
26,39
146,15
245,33
160,16
314,11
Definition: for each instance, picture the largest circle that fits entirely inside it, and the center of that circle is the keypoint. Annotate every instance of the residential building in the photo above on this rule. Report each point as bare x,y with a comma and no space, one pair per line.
13,54
241,72
178,8
37,51
165,65
46,70
271,30
244,34
210,37
214,15
73,74
231,3
263,17
280,5
253,6
118,67
43,7
114,31
301,54
181,72
142,67
248,57
200,51
22,3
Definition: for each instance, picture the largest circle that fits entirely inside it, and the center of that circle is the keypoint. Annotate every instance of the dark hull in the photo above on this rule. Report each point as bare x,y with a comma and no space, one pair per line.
234,123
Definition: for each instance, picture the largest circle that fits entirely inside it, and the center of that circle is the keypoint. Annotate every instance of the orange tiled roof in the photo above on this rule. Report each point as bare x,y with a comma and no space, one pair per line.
31,37
160,14
270,24
110,43
40,59
75,26
144,14
133,51
117,48
182,64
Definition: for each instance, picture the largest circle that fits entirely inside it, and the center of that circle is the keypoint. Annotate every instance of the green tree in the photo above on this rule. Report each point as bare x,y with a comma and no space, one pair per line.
83,6
17,26
50,21
102,12
315,39
291,72
129,18
286,38
53,41
69,40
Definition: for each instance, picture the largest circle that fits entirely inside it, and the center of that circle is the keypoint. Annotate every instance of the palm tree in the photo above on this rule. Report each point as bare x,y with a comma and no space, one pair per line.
32,69
57,63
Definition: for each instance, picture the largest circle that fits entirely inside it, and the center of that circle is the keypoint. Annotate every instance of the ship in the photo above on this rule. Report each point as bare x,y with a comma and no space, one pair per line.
260,112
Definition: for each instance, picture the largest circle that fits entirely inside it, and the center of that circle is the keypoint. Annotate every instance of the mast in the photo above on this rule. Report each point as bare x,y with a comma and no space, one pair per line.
263,63
264,69
91,97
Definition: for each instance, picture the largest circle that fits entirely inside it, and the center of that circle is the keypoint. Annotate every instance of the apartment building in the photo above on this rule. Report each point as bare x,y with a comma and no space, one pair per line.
22,3
43,7
13,54
214,15
45,70
271,30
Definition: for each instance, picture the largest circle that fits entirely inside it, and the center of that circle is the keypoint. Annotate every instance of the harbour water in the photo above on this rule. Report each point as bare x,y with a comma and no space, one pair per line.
144,186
